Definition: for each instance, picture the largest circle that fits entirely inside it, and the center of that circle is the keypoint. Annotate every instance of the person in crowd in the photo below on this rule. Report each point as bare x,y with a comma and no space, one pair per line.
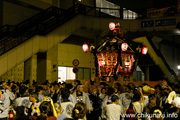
75,84
125,97
58,109
46,111
177,90
107,100
117,86
10,83
55,92
132,86
138,101
101,98
92,101
79,111
21,103
165,93
26,83
14,89
158,93
81,96
8,91
33,87
103,93
4,104
71,98
113,110
17,91
46,91
66,104
69,86
39,90
151,104
152,91
119,92
95,113
164,83
146,91
102,84
33,98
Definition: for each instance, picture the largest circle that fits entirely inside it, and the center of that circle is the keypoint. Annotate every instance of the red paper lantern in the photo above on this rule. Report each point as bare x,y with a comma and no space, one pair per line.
111,26
85,47
124,46
144,50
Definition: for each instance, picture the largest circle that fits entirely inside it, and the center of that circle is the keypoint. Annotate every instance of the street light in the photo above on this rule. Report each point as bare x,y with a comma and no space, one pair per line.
178,67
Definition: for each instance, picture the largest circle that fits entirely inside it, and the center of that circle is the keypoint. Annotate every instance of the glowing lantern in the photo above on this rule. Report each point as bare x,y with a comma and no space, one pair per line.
127,64
111,26
144,50
85,47
124,46
101,63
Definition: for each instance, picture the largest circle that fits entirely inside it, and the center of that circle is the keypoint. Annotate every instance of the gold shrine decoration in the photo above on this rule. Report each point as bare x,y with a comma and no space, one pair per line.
107,63
114,57
127,59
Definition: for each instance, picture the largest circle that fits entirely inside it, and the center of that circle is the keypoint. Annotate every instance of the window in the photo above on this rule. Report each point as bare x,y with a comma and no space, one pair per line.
65,73
115,10
107,4
84,74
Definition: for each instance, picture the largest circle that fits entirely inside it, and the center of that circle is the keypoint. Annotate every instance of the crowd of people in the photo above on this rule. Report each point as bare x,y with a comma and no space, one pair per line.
70,101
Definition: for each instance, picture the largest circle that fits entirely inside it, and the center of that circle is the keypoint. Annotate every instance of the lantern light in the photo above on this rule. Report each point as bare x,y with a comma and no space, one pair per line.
178,67
111,26
102,63
144,50
124,46
127,63
85,47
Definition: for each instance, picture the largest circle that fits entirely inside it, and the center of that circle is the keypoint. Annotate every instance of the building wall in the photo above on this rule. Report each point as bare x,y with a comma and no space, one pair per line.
16,74
1,12
34,68
65,4
52,64
68,52
14,14
37,44
43,4
170,53
98,23
135,4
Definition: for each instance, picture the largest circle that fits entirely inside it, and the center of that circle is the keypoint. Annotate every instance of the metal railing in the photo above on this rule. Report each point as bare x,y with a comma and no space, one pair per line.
41,23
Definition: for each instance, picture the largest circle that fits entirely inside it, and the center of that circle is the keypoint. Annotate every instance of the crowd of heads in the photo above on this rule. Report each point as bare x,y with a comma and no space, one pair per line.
158,96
